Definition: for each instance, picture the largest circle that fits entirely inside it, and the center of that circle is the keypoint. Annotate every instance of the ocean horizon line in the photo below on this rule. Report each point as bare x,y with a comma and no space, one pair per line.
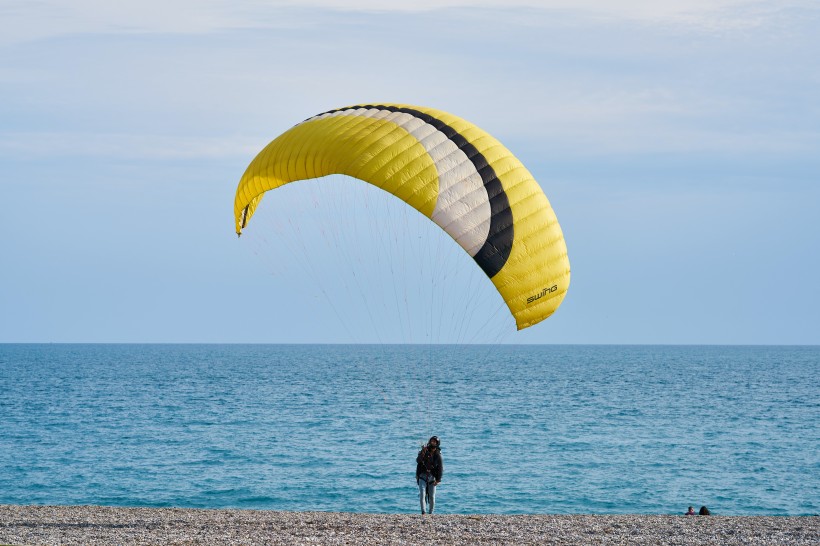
399,344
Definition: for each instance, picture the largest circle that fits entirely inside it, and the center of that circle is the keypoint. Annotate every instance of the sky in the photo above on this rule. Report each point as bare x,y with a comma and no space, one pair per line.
677,142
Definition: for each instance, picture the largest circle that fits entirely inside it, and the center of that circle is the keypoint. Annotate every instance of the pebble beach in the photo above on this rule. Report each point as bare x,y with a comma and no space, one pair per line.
92,525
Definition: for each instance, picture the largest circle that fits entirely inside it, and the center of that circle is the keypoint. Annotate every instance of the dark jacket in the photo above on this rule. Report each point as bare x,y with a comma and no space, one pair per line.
429,461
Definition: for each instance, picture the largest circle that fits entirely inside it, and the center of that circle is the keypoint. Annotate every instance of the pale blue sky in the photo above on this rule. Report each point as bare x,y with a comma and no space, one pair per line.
677,143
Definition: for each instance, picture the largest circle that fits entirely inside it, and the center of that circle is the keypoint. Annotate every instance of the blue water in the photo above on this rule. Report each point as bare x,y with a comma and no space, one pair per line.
524,429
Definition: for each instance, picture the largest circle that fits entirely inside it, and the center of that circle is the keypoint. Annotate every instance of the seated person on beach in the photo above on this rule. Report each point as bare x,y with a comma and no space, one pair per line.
691,511
429,468
704,511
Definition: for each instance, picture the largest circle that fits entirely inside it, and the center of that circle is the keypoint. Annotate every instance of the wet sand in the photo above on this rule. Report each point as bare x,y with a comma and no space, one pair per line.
91,525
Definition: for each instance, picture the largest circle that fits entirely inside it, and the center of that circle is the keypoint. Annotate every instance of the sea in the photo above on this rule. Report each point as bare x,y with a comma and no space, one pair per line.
545,429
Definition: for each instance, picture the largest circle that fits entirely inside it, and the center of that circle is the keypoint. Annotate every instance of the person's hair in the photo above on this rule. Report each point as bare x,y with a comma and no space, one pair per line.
438,443
704,511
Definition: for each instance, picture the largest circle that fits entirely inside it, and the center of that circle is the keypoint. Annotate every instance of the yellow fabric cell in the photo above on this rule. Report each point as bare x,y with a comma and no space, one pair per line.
342,145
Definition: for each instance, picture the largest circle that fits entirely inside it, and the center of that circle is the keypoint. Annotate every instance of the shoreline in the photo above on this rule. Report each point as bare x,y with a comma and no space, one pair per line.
92,525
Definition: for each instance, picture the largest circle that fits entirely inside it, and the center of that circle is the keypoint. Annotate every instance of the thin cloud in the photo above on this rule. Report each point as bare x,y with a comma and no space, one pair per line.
584,89
34,145
24,20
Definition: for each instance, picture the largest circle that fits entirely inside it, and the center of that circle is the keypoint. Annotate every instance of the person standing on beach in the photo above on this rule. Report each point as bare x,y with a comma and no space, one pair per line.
429,468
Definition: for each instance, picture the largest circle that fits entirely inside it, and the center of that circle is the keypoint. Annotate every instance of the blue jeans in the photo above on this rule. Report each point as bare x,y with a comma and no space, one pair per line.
427,492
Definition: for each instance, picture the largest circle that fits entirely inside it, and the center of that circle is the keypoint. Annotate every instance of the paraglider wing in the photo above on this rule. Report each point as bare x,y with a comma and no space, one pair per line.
446,168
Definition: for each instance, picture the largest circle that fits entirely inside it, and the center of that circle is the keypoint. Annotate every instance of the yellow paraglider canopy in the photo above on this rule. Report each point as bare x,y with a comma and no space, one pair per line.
448,169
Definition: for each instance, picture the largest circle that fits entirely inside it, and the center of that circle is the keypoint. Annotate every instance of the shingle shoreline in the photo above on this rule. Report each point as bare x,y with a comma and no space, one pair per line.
91,525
